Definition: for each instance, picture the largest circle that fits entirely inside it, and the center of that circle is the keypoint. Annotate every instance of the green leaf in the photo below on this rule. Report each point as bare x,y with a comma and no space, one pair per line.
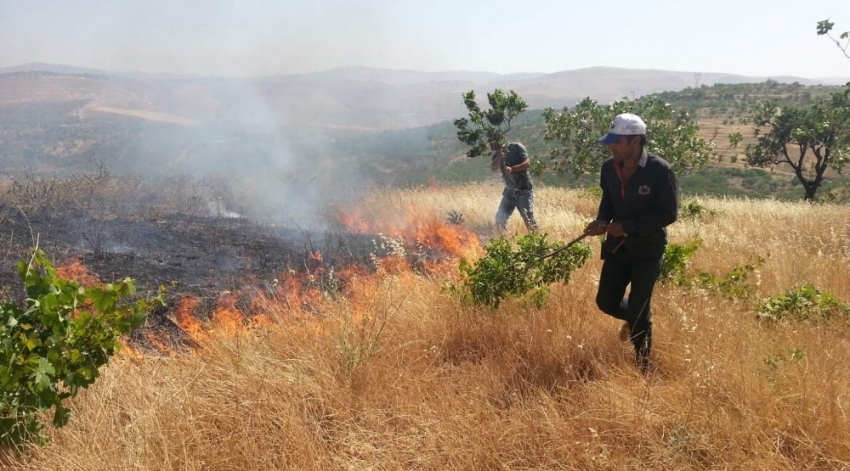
43,374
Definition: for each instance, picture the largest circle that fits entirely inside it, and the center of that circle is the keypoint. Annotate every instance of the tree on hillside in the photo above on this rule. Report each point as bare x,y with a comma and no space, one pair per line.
492,125
809,140
671,134
843,41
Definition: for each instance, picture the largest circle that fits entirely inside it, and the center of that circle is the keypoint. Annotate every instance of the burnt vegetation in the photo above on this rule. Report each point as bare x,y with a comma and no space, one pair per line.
175,233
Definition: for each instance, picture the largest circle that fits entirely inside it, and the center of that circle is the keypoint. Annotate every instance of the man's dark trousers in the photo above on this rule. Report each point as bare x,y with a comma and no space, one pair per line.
618,271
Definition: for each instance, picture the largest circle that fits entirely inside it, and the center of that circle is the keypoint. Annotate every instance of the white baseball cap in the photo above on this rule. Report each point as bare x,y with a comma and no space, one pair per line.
625,124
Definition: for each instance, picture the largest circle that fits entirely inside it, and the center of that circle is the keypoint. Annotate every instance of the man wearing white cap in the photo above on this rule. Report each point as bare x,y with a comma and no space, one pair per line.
640,198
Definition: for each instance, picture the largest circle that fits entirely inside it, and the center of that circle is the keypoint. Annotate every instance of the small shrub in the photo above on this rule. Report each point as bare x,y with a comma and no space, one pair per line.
676,259
360,337
56,344
733,285
695,210
804,303
591,192
777,359
455,217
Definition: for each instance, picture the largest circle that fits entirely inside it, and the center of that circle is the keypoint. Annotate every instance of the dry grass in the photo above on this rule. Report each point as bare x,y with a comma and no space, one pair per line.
400,376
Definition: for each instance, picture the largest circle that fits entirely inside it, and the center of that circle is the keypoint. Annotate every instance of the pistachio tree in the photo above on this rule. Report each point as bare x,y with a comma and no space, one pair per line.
671,134
809,139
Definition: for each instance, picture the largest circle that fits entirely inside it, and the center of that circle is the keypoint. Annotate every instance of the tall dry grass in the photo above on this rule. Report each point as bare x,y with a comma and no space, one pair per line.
401,376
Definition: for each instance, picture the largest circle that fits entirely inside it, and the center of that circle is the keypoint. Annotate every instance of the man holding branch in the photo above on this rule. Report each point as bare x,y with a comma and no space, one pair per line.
513,162
640,198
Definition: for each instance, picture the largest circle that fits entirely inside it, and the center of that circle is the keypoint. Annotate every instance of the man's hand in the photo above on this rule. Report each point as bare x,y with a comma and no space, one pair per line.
616,229
597,227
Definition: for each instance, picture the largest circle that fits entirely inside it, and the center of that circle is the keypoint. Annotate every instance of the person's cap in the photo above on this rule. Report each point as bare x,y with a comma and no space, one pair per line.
625,124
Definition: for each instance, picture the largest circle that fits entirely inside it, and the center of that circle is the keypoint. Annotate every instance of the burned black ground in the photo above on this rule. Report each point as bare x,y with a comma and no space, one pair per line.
201,255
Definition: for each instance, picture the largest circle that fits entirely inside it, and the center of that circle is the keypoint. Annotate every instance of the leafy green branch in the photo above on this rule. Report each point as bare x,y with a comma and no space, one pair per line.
843,41
486,127
56,344
504,272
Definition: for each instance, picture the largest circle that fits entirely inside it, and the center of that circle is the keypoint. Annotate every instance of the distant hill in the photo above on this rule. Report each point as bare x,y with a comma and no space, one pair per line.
52,68
347,99
606,84
400,77
351,125
835,80
73,70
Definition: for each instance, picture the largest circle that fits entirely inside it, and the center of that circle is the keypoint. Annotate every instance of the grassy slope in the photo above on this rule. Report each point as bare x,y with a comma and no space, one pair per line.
401,376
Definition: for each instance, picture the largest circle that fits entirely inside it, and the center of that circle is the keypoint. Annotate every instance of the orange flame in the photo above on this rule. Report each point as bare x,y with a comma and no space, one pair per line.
227,317
77,271
301,292
305,294
156,342
262,320
394,265
185,317
453,239
427,230
127,351
351,222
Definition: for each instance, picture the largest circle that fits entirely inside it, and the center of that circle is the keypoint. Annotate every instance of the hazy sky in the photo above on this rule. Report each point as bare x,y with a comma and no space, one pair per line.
254,37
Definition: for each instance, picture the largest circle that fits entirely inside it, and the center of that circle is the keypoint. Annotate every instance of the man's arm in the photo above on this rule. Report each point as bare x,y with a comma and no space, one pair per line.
520,167
497,161
516,153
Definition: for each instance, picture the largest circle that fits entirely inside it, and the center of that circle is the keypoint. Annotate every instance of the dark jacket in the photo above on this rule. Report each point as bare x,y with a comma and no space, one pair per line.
645,205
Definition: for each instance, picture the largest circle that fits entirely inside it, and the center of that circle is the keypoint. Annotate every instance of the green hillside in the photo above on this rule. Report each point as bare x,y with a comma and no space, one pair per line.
433,154
733,101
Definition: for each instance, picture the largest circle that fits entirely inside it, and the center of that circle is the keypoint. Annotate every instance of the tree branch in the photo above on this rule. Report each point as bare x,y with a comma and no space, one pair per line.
838,43
803,150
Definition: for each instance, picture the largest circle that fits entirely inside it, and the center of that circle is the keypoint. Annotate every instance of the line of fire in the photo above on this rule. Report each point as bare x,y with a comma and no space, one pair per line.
223,276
